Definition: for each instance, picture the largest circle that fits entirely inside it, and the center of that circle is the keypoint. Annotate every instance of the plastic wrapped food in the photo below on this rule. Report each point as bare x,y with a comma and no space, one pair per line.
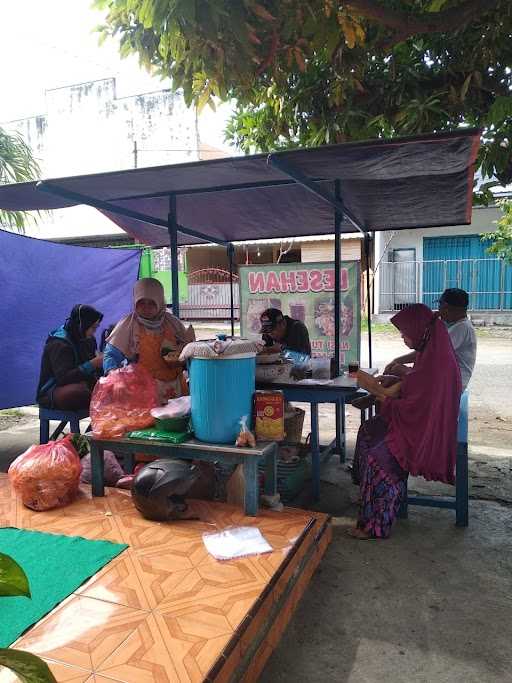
159,435
246,437
123,401
47,475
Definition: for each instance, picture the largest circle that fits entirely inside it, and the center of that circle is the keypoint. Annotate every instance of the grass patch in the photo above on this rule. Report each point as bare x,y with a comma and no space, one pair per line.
384,328
11,412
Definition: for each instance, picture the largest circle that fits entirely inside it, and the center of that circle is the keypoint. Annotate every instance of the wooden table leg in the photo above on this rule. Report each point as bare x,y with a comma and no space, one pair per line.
97,470
250,468
315,451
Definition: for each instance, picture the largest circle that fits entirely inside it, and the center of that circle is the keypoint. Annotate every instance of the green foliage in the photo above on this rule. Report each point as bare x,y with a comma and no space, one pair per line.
80,444
28,667
310,72
501,238
17,165
13,580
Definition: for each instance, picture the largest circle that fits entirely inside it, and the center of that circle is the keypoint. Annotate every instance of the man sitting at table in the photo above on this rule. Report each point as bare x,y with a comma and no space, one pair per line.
282,333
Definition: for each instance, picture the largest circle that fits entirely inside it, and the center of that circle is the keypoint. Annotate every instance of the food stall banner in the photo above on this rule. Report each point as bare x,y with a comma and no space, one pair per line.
305,291
41,282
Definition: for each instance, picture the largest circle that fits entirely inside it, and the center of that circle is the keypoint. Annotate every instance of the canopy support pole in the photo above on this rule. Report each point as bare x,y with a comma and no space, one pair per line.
231,253
367,241
172,226
338,218
78,198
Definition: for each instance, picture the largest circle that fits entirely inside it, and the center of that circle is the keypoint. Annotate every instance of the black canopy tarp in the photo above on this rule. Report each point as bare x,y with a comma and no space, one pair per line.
424,181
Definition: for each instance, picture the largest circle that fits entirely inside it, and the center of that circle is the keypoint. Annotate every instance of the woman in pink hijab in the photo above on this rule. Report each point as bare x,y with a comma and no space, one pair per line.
416,430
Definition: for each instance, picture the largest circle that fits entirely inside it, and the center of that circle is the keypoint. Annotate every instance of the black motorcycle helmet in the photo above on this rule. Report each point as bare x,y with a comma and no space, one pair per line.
160,487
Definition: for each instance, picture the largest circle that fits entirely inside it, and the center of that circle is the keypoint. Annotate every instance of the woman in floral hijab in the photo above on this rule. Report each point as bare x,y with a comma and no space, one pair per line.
153,337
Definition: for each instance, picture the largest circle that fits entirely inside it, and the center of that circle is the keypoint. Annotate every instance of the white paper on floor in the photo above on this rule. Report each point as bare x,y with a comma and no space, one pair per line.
236,541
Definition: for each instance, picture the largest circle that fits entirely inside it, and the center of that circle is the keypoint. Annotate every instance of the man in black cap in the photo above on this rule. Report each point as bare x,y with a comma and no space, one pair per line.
281,332
453,308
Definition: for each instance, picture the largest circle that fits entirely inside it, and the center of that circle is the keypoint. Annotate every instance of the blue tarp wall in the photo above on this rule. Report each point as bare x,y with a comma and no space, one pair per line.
40,282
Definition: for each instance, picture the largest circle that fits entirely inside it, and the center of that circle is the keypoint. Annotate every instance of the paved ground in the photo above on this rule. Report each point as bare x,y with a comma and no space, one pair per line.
432,603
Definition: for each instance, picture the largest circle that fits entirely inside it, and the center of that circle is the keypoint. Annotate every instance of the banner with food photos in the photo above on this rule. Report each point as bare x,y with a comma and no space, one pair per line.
305,291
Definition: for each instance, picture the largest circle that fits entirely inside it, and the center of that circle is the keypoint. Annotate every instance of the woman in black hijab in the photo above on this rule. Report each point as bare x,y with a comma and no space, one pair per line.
70,364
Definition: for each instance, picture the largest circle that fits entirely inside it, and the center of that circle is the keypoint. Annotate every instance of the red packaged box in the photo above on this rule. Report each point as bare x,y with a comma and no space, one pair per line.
269,413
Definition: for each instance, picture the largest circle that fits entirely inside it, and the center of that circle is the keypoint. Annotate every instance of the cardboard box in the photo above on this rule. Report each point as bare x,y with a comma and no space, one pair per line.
269,415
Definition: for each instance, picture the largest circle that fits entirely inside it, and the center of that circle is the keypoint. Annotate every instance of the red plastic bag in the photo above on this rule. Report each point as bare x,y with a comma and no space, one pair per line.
122,401
47,476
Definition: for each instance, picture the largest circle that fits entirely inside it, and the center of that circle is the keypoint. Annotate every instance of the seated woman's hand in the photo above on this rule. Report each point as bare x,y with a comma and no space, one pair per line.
375,387
97,361
390,392
388,380
172,360
399,370
388,370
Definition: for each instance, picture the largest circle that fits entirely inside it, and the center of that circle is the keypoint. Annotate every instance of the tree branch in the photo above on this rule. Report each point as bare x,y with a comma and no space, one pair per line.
407,24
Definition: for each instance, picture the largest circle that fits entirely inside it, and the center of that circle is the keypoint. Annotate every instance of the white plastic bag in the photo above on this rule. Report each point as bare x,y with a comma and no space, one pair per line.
175,407
238,541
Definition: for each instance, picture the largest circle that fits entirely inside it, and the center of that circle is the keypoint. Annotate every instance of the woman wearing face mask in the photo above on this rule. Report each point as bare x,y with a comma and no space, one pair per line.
70,364
416,430
152,337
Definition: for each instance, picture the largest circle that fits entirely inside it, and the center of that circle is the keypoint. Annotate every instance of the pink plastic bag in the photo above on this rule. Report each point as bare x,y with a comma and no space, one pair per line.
47,476
122,401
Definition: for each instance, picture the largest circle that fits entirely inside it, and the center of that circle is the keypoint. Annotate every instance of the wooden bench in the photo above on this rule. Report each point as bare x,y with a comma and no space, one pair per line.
192,450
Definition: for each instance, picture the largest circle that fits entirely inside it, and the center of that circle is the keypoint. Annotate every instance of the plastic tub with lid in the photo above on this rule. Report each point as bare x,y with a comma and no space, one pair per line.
222,384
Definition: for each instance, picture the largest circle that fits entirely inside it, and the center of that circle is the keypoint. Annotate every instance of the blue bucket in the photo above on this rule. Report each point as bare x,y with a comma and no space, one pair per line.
221,392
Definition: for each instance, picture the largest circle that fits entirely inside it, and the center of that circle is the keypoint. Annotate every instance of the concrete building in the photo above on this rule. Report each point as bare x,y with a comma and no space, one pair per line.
417,265
86,128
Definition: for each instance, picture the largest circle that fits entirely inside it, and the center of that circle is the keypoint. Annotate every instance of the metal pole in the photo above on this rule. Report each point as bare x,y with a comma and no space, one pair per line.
367,240
231,250
338,217
135,154
172,224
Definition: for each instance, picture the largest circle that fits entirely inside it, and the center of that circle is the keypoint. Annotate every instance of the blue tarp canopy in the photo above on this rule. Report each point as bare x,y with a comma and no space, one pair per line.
422,181
403,183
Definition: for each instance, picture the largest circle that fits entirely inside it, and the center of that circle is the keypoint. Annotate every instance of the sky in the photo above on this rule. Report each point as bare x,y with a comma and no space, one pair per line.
47,44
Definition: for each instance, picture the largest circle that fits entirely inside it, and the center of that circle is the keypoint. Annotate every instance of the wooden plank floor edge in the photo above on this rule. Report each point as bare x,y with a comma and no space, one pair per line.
245,656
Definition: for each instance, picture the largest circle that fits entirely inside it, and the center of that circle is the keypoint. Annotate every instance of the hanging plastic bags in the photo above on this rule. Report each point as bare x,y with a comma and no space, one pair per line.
47,475
122,401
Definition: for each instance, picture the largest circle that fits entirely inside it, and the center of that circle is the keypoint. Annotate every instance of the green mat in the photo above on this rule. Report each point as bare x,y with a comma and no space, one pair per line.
55,566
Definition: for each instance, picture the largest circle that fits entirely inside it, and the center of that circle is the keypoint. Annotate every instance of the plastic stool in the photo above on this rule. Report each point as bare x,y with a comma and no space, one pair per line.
63,417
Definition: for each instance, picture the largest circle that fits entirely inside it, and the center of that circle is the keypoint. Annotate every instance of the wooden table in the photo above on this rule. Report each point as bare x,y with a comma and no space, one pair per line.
314,393
192,450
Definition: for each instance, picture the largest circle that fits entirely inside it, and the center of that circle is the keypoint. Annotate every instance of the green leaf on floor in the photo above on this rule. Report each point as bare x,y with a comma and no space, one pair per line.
28,667
13,580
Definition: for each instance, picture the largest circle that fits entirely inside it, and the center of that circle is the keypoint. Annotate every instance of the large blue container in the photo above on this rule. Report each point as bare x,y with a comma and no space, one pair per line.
221,392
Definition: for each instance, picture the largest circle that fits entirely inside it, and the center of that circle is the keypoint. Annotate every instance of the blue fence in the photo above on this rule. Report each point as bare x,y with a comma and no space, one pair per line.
488,282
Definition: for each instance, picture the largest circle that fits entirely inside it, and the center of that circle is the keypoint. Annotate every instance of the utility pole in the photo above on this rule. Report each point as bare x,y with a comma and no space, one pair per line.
135,154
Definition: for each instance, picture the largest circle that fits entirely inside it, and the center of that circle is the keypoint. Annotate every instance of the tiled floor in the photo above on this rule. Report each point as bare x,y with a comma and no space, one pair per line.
165,610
